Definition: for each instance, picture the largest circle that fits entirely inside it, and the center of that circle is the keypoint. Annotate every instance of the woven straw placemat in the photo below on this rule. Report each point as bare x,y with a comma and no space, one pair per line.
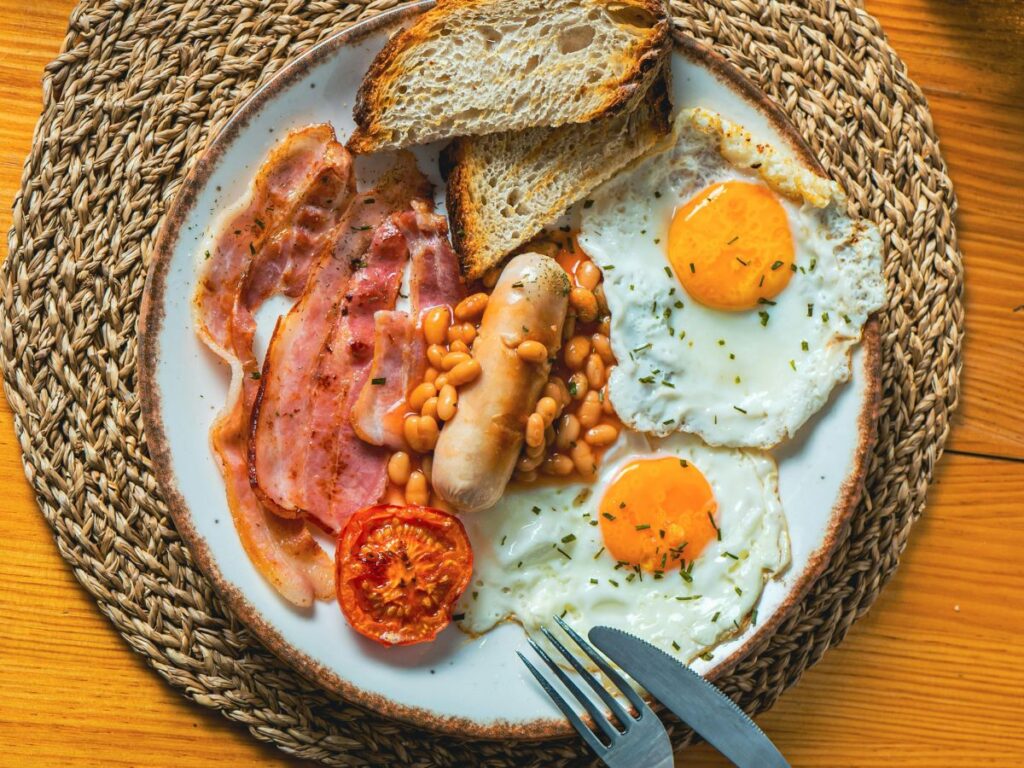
138,89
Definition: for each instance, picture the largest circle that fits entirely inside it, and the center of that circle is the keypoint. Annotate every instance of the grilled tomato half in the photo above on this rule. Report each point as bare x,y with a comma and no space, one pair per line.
400,570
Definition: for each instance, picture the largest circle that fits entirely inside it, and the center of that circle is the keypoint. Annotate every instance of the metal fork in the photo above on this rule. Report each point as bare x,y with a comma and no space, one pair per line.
640,742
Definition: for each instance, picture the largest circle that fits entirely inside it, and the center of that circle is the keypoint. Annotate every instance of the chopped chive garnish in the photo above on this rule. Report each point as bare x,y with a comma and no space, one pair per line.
764,318
598,553
804,346
379,381
736,407
730,555
569,538
718,531
776,265
643,527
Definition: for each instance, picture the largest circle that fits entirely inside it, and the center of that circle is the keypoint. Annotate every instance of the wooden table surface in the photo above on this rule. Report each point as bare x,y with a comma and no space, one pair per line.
933,676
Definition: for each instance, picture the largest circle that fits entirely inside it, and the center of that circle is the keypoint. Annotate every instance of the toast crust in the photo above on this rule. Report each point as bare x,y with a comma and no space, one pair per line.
460,166
622,93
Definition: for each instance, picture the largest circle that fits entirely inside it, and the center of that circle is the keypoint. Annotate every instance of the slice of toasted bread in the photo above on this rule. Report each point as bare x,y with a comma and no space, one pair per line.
470,67
503,188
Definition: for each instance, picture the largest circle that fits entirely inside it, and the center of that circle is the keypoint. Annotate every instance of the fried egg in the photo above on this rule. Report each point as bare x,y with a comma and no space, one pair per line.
673,542
737,285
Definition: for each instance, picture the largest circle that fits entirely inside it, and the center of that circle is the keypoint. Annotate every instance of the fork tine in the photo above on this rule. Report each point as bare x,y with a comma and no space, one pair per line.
600,718
612,703
588,735
624,688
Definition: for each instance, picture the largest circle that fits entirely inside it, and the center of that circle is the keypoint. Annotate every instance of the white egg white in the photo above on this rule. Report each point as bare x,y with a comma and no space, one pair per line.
539,553
742,379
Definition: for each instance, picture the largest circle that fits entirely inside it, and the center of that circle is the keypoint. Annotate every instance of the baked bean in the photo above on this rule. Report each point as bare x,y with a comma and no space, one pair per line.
435,354
557,391
399,467
605,326
576,351
440,380
430,375
411,430
532,351
578,385
589,412
602,300
452,359
429,407
535,451
588,275
416,489
435,325
438,503
583,459
426,465
526,477
420,432
421,394
546,247
548,409
569,326
568,432
471,307
551,390
585,304
602,434
606,403
447,402
458,346
429,431
535,430
464,372
603,346
464,332
529,463
595,371
557,464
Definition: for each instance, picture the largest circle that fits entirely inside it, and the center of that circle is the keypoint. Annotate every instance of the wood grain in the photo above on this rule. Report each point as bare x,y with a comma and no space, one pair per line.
934,675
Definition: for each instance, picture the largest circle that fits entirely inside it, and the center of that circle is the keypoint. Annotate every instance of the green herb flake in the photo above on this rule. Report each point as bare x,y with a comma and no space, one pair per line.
718,531
379,381
764,318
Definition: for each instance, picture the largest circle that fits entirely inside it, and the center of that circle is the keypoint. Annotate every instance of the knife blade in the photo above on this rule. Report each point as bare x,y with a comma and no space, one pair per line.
693,699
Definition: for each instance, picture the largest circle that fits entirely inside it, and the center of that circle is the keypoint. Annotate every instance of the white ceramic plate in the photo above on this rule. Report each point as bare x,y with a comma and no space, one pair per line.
450,684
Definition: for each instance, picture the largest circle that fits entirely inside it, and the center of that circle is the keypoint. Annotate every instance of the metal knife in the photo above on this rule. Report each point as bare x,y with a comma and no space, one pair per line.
692,698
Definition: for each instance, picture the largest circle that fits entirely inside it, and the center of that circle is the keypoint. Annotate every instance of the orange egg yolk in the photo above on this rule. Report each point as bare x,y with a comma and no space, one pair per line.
731,247
658,513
